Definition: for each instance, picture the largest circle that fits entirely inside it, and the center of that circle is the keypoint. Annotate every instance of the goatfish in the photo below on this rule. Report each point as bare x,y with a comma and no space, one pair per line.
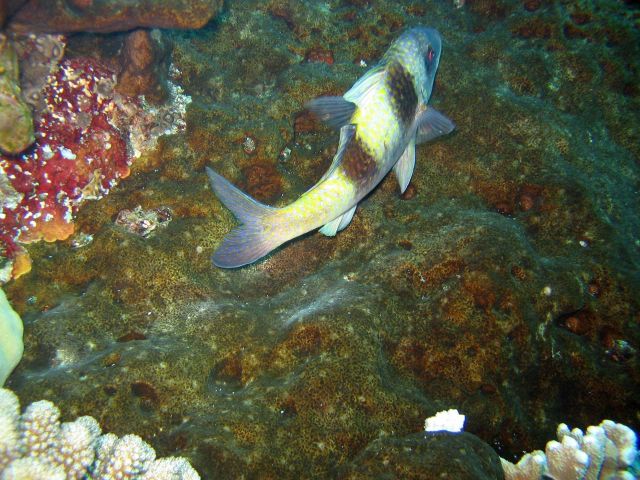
381,120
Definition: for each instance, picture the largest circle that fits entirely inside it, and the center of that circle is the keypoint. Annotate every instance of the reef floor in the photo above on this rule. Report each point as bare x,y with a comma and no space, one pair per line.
504,283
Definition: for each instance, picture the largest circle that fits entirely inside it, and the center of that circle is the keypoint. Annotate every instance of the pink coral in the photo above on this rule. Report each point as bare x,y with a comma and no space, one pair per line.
78,154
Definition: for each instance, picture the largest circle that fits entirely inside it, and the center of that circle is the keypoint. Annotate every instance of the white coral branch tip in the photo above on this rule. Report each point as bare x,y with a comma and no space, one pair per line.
446,420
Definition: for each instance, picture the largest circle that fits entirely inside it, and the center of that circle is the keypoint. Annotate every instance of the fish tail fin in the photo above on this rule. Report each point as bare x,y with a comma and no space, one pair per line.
248,242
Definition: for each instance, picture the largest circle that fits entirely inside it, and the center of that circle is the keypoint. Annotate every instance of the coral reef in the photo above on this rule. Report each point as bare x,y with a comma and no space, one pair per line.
603,452
87,136
37,446
79,154
145,122
39,56
503,282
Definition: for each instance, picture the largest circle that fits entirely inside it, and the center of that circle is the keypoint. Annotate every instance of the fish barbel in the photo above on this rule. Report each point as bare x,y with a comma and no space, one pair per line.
381,119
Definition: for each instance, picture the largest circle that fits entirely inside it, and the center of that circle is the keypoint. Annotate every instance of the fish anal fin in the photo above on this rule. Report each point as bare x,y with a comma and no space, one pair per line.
345,220
405,165
432,124
338,223
334,111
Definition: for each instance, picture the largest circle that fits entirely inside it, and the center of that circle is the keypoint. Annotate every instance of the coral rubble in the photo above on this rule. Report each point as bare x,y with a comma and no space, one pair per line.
141,222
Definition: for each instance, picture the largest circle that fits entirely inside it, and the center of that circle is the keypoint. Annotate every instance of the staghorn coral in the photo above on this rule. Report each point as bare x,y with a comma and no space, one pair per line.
36,446
604,453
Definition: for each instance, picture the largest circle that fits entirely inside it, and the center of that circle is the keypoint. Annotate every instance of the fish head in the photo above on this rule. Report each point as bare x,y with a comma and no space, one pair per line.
418,49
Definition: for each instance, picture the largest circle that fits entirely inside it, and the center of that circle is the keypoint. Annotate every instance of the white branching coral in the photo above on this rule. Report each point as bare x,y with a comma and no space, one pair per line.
602,453
34,445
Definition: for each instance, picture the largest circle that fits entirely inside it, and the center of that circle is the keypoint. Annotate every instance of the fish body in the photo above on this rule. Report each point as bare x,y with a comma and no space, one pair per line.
381,119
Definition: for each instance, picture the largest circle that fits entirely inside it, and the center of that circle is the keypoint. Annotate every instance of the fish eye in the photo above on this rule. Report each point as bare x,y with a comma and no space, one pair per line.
430,54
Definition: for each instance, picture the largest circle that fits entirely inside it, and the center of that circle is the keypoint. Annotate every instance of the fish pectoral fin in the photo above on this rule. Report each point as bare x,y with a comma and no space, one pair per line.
405,165
334,111
339,223
432,124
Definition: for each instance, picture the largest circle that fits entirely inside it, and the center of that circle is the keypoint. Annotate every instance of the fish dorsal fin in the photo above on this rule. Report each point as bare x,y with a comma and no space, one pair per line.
364,86
405,165
334,111
339,223
432,124
346,134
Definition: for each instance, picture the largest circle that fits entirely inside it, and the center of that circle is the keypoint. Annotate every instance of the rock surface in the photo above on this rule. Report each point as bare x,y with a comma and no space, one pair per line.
426,456
62,16
143,71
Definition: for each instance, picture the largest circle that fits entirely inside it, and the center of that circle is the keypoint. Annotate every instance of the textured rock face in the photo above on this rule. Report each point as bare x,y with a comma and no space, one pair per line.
142,69
63,16
503,283
8,7
425,456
